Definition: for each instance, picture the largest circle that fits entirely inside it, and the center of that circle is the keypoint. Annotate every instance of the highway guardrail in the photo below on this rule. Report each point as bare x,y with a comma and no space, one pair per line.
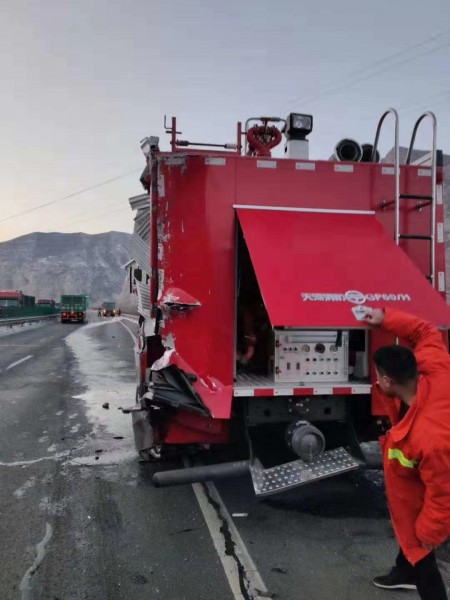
22,320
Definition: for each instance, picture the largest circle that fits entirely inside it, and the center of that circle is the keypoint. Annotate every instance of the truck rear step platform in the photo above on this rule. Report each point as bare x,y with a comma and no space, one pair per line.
290,475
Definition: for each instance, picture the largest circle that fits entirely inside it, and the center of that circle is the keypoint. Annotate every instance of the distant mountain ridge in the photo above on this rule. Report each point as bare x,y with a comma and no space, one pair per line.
47,265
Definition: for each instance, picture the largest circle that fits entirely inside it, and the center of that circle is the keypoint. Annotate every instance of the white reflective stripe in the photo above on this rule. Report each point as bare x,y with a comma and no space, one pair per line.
343,168
283,392
317,390
244,392
439,194
305,166
175,161
305,210
440,233
218,162
323,390
441,281
266,164
387,170
361,389
424,172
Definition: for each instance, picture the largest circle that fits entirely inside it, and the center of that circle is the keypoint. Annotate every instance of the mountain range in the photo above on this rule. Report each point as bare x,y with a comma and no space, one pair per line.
46,265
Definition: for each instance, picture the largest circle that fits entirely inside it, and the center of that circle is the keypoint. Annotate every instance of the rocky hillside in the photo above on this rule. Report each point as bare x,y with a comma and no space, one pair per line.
47,265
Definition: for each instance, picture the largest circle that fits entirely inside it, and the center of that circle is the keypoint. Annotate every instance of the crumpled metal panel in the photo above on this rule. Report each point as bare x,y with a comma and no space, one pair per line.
140,251
143,432
295,473
172,387
143,296
141,201
142,225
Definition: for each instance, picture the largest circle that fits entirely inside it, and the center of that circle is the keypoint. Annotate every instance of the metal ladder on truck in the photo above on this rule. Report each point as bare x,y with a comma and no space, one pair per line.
421,200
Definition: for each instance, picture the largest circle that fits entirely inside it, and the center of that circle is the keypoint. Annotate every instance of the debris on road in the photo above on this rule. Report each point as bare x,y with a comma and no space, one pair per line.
279,570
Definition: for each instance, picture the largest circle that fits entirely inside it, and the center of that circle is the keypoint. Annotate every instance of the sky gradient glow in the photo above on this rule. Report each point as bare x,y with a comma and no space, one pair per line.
83,81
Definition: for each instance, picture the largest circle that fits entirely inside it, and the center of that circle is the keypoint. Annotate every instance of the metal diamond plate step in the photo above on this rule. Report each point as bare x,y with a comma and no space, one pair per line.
295,473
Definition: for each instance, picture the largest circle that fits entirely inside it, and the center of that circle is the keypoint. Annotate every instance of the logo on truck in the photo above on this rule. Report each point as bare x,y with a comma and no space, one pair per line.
355,297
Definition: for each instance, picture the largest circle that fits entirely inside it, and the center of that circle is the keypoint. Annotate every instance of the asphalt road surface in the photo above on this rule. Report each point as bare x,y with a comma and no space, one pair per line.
80,519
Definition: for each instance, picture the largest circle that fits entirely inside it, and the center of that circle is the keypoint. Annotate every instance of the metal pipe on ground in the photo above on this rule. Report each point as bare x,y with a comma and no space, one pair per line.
201,474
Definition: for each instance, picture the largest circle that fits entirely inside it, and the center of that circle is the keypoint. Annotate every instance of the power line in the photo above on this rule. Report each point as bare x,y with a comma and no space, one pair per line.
444,95
350,79
95,215
89,212
78,193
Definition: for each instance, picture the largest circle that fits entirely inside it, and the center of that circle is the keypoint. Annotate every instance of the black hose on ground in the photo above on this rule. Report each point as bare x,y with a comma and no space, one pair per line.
200,474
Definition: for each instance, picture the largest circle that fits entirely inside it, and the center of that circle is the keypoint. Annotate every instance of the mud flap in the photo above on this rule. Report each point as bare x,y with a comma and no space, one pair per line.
290,475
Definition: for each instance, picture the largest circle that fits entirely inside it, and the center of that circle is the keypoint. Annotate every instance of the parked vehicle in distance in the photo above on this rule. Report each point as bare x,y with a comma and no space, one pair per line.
109,309
46,302
14,304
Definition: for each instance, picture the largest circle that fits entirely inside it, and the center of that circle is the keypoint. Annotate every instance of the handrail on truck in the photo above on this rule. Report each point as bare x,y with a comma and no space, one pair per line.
422,117
394,113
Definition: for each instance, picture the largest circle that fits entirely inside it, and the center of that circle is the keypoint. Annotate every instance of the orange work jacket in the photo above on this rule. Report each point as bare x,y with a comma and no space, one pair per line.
416,451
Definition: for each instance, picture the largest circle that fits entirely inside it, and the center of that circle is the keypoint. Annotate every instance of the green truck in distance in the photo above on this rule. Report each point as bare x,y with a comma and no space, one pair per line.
74,309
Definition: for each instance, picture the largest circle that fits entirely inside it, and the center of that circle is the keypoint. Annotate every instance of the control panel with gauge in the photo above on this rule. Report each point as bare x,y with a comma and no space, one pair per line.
311,356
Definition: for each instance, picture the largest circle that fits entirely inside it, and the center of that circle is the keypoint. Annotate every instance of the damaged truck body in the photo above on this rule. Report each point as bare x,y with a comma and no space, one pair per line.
247,267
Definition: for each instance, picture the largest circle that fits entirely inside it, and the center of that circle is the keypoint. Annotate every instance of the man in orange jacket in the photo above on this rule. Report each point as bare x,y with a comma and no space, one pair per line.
416,451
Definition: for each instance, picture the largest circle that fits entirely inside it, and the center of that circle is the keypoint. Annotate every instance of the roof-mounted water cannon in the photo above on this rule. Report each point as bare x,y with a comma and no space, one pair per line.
297,128
261,138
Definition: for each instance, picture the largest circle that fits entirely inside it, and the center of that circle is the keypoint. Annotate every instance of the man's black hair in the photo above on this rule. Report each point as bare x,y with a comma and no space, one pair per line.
397,362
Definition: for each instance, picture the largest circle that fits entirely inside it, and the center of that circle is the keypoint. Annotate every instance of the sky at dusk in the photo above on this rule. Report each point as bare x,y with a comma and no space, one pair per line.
84,81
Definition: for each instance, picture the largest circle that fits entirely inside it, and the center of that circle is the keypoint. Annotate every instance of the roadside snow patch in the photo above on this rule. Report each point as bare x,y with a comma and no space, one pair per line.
29,483
6,330
108,380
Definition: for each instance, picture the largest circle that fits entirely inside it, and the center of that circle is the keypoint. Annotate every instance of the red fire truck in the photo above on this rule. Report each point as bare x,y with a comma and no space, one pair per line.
247,275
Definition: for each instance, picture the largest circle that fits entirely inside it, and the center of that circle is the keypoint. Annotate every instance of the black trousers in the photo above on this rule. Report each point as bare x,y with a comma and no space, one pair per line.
426,576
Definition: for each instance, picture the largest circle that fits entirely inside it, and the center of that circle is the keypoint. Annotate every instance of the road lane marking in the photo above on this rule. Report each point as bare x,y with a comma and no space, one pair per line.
243,577
129,330
18,362
41,551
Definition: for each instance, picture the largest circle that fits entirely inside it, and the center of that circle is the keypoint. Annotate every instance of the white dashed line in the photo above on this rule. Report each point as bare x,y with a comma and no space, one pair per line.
18,362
